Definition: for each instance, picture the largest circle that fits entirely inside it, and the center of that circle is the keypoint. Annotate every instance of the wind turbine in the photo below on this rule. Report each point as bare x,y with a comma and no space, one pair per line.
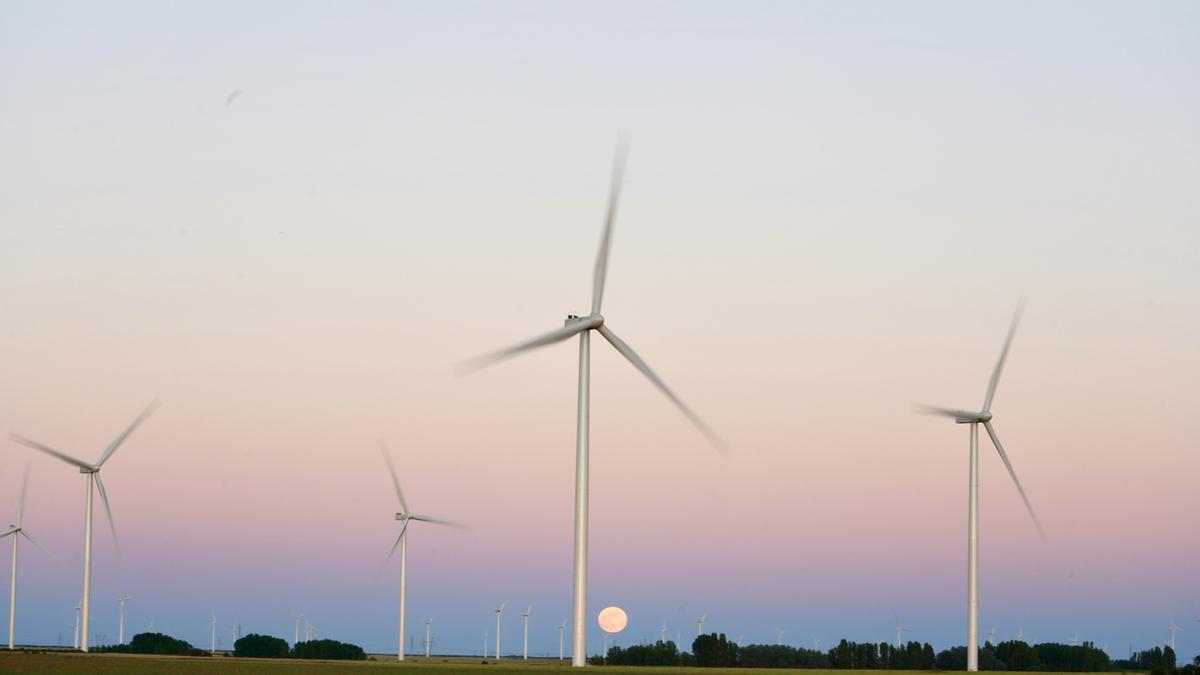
1173,628
76,626
900,630
308,630
779,636
1020,633
499,613
700,624
213,648
93,478
525,647
486,638
991,634
662,634
583,326
428,634
404,516
296,617
122,599
561,630
16,530
984,417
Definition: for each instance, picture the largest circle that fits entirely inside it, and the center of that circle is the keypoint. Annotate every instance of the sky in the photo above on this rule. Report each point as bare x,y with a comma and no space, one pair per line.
830,212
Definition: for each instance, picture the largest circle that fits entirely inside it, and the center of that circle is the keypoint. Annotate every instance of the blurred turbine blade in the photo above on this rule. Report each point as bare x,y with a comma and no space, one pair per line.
641,365
50,451
924,409
1016,481
112,447
387,457
556,335
394,547
10,531
501,608
41,548
439,521
1012,330
614,196
108,510
24,488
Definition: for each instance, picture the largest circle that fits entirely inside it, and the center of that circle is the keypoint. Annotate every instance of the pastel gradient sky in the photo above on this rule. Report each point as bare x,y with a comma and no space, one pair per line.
831,210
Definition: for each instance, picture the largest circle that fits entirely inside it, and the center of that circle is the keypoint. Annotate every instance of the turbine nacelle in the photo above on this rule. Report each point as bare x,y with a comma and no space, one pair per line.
89,469
964,417
594,320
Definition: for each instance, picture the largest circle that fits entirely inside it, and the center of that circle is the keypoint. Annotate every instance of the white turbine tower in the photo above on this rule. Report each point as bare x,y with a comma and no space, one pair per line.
525,646
662,634
1173,628
308,630
213,644
562,627
583,327
296,637
93,478
984,417
121,600
428,634
900,630
76,626
499,614
700,624
17,531
486,639
404,516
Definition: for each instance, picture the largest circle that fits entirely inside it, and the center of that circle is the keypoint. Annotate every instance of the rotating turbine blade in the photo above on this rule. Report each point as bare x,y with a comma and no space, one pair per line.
924,409
641,365
387,457
21,502
41,548
108,510
614,196
438,521
10,531
501,608
392,552
50,451
1016,481
1012,330
112,447
557,335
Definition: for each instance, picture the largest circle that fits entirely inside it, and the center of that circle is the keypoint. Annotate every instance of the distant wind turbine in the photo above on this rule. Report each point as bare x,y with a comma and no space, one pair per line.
662,634
779,636
404,516
562,628
991,634
525,646
583,327
486,639
17,531
93,478
499,614
900,630
1173,628
296,638
1020,633
984,417
428,634
122,599
213,625
77,626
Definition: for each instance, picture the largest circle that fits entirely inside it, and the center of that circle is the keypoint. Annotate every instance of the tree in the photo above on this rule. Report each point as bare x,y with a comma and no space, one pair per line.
714,651
257,646
658,654
328,649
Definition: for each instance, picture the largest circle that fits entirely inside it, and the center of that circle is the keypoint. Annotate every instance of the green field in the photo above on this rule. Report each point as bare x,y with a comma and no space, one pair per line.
66,662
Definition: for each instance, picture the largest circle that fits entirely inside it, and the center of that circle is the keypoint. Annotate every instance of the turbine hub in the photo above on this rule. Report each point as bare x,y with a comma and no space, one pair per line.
89,469
402,516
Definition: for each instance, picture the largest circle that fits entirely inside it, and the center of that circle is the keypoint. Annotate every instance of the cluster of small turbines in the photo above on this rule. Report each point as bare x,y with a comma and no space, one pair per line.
581,326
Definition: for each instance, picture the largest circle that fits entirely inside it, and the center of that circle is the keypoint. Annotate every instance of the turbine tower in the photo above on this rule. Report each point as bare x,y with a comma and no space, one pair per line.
428,634
296,637
662,634
92,471
486,638
17,531
583,327
122,599
900,630
525,646
700,624
984,417
779,636
561,630
1173,628
404,516
76,626
499,614
213,644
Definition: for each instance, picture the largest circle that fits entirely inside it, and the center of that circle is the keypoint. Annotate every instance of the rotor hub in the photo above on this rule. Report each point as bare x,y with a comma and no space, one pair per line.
403,516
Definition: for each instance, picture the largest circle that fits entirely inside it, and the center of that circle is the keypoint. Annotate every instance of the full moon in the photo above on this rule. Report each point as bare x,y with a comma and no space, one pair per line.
612,619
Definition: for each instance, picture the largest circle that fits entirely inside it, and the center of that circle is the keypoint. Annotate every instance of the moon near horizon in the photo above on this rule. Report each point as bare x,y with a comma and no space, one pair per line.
612,619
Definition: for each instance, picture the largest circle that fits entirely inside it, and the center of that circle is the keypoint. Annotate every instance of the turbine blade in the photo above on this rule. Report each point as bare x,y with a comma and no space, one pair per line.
924,409
387,457
1016,481
614,196
112,447
557,335
41,548
501,609
108,510
438,521
392,552
50,451
21,501
10,531
1012,330
641,365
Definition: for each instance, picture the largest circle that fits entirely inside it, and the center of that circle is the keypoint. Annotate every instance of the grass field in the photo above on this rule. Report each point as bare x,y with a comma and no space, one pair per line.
66,662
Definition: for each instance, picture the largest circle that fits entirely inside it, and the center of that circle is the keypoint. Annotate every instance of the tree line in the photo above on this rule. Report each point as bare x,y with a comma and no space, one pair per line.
715,650
250,646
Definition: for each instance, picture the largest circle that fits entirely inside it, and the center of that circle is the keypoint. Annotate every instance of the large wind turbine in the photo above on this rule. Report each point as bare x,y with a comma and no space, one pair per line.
499,614
16,530
583,327
984,417
525,646
93,478
121,600
405,516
